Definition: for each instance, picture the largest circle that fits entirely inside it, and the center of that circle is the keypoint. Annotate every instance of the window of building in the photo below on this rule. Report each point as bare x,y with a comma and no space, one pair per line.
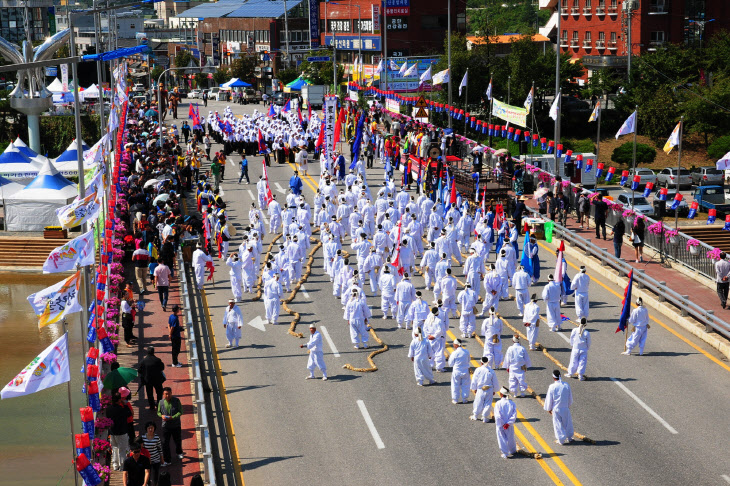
613,37
131,26
434,22
588,4
657,37
588,37
564,37
574,40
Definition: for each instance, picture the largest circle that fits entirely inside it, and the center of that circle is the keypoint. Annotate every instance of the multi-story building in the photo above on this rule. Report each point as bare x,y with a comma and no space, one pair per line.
41,17
169,10
597,30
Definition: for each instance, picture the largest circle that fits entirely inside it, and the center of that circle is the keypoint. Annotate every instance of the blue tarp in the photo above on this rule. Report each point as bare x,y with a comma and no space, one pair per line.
124,52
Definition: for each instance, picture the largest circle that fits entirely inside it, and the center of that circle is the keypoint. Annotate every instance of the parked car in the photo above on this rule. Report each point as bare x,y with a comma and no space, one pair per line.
138,87
707,176
640,204
250,95
280,98
668,177
647,175
213,93
671,193
194,93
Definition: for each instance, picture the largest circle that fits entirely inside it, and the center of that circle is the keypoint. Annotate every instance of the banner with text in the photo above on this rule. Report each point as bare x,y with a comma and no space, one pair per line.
510,114
330,119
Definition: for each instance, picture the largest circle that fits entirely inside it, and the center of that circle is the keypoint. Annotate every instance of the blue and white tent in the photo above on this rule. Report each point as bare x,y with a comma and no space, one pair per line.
8,188
14,164
34,207
23,148
70,152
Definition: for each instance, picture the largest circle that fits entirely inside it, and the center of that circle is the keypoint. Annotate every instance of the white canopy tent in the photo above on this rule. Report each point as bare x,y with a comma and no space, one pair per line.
34,207
91,92
56,86
16,165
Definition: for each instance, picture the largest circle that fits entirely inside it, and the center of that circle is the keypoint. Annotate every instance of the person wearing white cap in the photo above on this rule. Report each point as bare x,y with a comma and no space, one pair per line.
516,360
434,332
492,332
501,266
493,287
474,269
417,312
558,400
236,275
316,354
639,318
580,340
200,259
447,286
551,296
232,322
387,285
460,379
248,266
405,294
505,416
521,283
357,314
272,299
274,211
580,284
531,321
421,353
468,300
484,384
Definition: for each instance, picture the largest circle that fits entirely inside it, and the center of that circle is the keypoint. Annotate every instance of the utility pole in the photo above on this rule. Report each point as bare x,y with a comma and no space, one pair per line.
627,5
385,46
448,42
286,33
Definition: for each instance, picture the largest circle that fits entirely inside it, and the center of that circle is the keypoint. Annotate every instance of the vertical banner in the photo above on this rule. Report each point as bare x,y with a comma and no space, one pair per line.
64,76
216,49
375,15
330,119
314,22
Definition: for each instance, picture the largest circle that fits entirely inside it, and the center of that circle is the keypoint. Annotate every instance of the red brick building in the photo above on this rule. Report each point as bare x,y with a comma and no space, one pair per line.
597,30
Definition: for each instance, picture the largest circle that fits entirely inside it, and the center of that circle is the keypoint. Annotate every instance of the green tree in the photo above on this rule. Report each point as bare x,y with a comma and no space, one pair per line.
719,147
707,114
220,76
495,17
183,58
287,75
623,154
201,80
156,72
243,67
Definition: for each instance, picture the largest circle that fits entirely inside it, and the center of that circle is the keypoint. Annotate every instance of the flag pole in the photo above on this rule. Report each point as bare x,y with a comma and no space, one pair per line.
598,133
532,125
633,159
466,99
679,168
70,405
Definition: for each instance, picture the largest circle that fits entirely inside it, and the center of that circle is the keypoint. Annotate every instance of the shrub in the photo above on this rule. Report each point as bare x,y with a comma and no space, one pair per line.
623,154
719,147
583,146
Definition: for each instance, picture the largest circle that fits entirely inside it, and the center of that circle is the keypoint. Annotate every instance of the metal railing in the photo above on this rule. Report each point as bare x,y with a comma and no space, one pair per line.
682,302
201,411
675,249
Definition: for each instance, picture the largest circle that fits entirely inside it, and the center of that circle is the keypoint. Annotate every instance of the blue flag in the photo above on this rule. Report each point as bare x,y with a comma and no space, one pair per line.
526,260
357,142
626,305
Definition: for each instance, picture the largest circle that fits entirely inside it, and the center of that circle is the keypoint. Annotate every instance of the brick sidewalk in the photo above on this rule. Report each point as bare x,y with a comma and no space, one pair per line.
153,332
698,293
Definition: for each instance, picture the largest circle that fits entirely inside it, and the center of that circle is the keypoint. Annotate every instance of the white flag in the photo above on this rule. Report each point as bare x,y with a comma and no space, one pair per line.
673,139
64,258
724,162
554,108
50,368
441,77
629,126
53,303
379,69
393,65
413,70
463,81
426,76
403,68
79,211
489,90
528,100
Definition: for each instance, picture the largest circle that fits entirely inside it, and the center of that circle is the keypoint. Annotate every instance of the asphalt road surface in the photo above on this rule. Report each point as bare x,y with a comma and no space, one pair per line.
656,419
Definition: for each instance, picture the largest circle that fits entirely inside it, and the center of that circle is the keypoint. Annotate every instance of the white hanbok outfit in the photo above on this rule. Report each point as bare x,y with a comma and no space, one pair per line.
558,400
272,300
581,343
580,284
421,353
551,296
233,322
516,360
199,261
460,379
236,277
316,354
484,384
432,328
639,318
531,320
505,413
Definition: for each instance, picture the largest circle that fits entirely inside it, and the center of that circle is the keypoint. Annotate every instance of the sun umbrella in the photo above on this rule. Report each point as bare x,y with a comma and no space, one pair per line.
150,113
150,182
540,192
145,134
119,377
161,197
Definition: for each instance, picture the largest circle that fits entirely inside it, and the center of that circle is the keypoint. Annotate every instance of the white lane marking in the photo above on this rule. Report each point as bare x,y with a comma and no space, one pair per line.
250,193
645,406
329,341
726,478
279,188
373,431
562,335
304,291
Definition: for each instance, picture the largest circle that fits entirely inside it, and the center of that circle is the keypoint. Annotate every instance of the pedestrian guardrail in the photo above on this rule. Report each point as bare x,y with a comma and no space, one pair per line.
686,307
199,398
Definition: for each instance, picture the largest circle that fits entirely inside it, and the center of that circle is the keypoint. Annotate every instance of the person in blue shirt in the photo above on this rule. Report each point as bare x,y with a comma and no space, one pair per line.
175,335
295,183
244,170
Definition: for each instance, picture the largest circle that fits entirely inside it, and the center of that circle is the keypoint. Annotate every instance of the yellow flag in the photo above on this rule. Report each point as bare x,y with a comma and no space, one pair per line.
673,139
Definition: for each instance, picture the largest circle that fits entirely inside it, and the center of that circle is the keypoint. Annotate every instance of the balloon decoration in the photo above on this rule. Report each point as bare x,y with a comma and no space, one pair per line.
693,207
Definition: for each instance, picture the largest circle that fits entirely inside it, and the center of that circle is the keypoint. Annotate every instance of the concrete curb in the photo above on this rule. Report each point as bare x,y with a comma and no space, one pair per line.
686,323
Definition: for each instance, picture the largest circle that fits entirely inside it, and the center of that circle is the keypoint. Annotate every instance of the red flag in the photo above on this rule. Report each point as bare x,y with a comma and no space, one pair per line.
320,139
299,114
309,112
269,197
211,269
338,126
452,199
499,215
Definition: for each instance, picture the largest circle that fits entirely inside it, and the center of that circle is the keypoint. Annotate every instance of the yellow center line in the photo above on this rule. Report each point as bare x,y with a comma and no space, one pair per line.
540,461
312,187
224,396
620,296
535,434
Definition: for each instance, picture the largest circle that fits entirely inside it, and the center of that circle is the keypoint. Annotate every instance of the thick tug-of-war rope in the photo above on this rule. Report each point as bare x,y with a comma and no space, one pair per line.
295,289
376,352
259,286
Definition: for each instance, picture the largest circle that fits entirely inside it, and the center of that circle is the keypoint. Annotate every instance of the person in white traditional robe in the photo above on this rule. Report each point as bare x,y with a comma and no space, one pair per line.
200,258
492,332
233,322
460,360
421,353
531,321
484,384
357,314
249,269
447,285
521,283
274,216
580,341
639,318
551,296
493,287
580,284
387,286
236,275
505,416
516,360
417,312
433,330
558,400
468,300
316,354
405,294
272,299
